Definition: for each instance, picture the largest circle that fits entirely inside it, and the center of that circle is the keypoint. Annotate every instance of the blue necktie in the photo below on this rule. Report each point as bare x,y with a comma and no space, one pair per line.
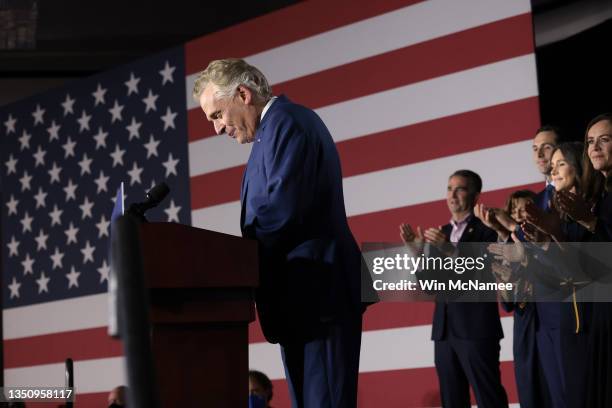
546,197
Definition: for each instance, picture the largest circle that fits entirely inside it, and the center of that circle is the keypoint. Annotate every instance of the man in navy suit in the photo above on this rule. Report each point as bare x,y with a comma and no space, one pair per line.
309,298
466,334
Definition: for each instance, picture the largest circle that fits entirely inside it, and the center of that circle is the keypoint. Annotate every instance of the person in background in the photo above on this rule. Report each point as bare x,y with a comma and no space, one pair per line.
117,397
261,390
466,335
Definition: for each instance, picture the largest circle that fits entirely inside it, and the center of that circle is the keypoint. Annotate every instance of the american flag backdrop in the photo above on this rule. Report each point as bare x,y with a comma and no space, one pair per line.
410,90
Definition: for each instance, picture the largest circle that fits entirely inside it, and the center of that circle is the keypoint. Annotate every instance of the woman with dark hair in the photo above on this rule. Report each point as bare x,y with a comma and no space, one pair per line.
593,210
567,271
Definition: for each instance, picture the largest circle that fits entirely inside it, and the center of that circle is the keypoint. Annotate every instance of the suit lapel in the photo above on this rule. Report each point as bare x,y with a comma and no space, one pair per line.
470,230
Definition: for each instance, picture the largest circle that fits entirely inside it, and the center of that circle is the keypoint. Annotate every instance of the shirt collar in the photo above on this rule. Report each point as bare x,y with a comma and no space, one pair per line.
462,222
265,109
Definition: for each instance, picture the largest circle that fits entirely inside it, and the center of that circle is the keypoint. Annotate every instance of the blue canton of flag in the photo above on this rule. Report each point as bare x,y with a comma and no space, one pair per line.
64,154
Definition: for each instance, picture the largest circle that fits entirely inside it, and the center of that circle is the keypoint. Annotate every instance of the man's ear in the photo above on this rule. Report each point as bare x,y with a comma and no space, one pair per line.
245,94
476,197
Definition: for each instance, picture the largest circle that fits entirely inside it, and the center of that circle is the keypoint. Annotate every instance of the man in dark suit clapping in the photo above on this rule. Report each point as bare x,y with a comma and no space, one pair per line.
466,334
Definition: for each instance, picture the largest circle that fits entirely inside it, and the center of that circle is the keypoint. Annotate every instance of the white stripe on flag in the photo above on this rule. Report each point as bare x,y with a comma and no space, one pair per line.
381,350
500,167
85,312
99,375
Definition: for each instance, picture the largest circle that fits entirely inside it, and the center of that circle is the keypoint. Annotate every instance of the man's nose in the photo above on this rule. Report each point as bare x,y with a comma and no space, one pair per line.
219,128
541,152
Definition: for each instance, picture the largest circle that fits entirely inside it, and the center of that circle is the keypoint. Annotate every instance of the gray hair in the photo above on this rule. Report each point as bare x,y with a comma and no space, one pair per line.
228,74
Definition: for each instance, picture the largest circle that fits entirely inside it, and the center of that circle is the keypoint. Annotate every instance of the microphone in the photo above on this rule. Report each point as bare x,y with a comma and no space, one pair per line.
155,196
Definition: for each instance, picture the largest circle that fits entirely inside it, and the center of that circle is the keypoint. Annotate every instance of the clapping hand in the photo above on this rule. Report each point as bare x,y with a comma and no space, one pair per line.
436,237
488,216
576,207
413,240
548,223
511,252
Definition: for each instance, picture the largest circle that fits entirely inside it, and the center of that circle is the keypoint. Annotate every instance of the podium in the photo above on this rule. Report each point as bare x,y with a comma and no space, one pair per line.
201,292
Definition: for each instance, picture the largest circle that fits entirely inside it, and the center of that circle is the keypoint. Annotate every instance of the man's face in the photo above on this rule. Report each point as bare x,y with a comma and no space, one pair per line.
599,145
235,115
543,146
458,197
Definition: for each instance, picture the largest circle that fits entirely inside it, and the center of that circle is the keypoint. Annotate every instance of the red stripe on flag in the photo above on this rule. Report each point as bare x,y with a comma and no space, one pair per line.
465,132
467,49
378,317
282,27
383,226
54,348
400,388
217,187
479,129
97,399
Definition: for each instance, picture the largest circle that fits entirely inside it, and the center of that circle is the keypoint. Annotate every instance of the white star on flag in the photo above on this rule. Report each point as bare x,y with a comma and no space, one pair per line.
71,234
133,129
41,240
40,198
70,190
149,101
87,252
68,105
11,165
68,148
73,277
9,124
26,223
132,84
151,147
25,181
12,205
100,138
115,111
27,264
38,115
117,156
56,258
99,95
166,73
170,165
135,174
13,247
85,164
53,131
103,227
172,212
42,283
25,140
101,182
84,121
39,157
54,173
14,288
55,215
168,119
86,208
104,270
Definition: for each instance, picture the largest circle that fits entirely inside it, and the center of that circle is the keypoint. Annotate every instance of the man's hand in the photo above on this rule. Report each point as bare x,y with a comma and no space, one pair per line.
511,252
413,241
436,237
489,218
